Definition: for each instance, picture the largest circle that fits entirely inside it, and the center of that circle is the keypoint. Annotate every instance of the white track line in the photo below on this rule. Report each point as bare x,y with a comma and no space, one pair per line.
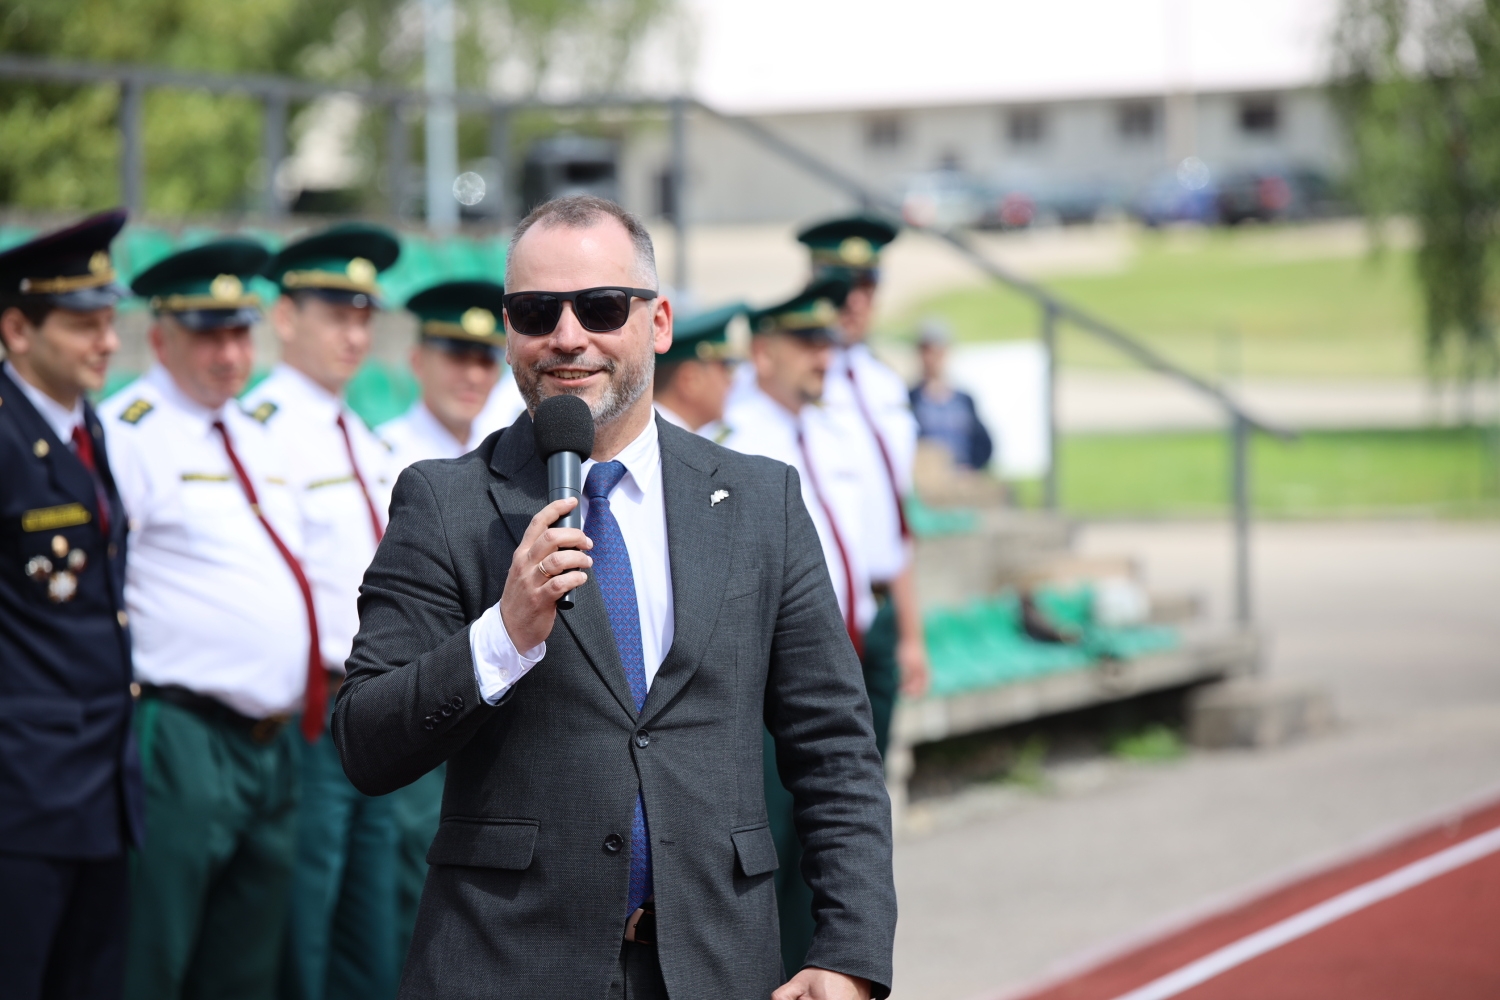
1322,915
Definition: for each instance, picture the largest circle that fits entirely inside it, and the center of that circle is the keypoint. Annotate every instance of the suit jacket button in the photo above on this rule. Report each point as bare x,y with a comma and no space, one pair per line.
429,723
122,618
614,843
457,702
446,711
642,739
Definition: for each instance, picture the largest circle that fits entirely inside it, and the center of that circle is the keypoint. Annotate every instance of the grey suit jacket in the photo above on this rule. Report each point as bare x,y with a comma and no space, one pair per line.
525,898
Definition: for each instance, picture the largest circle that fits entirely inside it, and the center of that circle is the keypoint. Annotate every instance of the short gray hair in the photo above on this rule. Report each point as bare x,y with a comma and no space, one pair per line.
580,211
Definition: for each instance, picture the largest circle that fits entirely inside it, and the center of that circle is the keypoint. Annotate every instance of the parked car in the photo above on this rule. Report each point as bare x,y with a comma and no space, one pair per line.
1275,194
942,199
1185,194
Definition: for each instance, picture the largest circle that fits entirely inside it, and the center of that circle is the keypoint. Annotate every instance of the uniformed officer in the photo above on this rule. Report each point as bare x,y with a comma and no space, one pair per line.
694,376
70,798
224,634
342,931
457,361
871,401
779,415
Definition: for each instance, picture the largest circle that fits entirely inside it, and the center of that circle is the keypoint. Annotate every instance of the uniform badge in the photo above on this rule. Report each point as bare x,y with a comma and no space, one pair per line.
39,568
133,413
41,448
226,288
62,586
478,322
51,518
265,411
361,271
59,546
713,501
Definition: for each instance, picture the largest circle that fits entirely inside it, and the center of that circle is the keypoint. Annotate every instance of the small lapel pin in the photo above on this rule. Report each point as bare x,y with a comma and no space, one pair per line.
718,495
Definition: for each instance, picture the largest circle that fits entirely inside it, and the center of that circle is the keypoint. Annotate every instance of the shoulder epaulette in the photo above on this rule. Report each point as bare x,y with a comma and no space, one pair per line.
136,411
264,412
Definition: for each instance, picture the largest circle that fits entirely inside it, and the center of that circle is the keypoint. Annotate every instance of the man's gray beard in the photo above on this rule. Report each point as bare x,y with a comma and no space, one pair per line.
626,384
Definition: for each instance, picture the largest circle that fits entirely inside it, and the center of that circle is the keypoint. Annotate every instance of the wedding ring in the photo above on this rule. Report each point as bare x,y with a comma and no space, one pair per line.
543,570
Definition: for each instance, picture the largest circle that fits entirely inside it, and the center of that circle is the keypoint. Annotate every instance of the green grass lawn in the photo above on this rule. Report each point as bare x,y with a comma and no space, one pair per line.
1249,301
1450,472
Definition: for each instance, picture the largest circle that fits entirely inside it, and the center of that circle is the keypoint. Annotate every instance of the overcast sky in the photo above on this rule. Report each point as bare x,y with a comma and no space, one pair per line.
771,55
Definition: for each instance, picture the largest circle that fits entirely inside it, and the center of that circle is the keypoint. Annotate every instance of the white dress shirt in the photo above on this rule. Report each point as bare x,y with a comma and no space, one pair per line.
758,425
213,605
639,505
886,401
61,419
418,435
501,409
336,523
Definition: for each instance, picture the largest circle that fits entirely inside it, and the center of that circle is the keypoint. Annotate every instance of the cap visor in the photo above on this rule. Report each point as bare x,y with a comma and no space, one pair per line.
90,299
216,319
342,297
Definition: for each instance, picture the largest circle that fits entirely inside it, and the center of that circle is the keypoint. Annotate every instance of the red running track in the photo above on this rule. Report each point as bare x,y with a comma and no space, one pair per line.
1389,925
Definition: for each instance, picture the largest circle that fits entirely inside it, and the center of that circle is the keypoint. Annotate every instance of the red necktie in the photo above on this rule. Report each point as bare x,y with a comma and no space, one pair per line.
360,479
885,454
838,543
83,447
316,699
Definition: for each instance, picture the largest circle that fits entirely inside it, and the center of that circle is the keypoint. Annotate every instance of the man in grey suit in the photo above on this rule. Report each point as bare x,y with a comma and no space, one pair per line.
604,829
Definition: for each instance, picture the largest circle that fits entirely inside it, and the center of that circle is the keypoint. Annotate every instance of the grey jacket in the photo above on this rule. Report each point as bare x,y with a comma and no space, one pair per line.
525,897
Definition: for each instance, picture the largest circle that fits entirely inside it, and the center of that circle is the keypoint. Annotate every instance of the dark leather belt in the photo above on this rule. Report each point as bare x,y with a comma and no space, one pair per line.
260,730
641,927
882,591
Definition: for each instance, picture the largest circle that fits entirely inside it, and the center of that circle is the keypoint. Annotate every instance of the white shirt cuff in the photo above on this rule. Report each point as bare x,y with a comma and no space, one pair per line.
497,662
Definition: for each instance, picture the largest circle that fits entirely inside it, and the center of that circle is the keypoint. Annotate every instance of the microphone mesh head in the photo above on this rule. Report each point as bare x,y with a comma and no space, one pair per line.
563,423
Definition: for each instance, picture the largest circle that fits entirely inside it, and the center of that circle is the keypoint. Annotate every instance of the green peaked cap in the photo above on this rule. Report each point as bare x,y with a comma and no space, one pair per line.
811,314
467,311
704,336
340,264
206,287
849,246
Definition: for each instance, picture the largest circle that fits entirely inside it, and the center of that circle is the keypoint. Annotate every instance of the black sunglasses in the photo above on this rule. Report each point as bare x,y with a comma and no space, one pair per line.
599,310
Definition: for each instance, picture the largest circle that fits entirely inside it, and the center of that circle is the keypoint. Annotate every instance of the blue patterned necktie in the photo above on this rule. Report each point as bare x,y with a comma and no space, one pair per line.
617,584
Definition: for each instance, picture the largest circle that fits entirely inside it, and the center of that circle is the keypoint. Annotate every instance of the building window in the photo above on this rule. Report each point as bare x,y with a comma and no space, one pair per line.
1026,126
883,131
1136,120
1259,116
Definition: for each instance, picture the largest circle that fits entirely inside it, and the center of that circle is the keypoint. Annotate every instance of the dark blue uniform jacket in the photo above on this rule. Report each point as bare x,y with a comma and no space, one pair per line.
70,783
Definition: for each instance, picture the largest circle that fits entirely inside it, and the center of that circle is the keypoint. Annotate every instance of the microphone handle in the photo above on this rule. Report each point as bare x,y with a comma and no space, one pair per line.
565,479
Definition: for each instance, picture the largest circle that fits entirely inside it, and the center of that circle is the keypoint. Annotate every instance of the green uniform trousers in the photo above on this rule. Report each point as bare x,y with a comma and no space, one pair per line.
341,938
418,808
793,897
209,888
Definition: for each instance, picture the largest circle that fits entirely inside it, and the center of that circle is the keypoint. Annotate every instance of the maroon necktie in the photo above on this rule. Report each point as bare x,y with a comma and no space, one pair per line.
316,699
838,543
360,479
885,453
83,447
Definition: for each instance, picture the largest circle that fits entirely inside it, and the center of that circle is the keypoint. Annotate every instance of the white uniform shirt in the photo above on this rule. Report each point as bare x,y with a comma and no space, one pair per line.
417,435
213,605
639,505
336,525
61,419
501,409
758,425
714,430
886,400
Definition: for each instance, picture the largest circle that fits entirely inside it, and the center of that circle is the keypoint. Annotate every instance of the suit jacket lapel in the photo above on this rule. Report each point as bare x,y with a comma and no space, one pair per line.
519,491
696,530
63,466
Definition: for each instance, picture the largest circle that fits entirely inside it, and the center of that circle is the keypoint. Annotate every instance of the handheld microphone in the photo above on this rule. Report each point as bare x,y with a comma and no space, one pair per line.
564,430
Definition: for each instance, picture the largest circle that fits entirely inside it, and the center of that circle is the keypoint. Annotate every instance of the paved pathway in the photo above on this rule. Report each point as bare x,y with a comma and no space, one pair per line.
1399,620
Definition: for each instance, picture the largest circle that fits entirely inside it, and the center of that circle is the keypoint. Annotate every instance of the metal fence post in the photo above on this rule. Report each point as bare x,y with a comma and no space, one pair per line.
397,153
679,193
1049,343
132,145
500,153
1239,444
273,151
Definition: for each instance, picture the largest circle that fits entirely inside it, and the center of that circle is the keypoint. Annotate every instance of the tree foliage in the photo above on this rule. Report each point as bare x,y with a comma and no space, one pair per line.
1418,84
60,147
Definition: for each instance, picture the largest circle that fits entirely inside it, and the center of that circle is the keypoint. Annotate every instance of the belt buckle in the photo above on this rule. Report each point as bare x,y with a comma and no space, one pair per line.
267,729
640,928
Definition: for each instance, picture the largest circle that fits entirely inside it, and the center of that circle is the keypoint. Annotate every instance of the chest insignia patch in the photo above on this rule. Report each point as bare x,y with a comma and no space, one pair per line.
133,413
52,518
265,411
713,501
62,586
